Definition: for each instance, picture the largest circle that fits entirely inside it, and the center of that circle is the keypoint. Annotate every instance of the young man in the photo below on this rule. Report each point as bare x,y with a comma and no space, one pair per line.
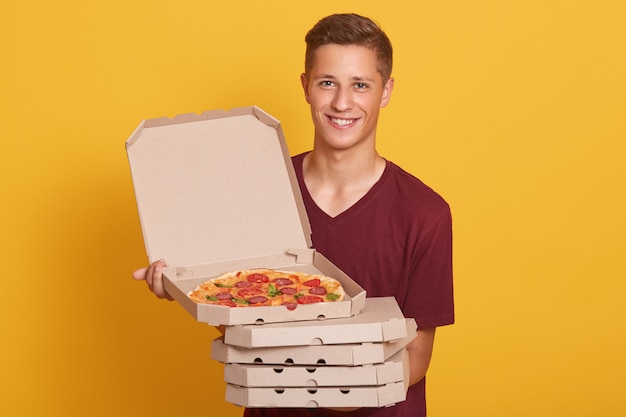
379,224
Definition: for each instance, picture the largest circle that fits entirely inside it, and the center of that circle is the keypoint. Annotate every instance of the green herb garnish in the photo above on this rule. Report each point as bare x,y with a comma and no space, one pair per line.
272,291
332,297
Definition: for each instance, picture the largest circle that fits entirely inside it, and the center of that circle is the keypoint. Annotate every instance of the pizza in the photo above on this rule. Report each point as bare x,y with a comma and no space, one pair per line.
267,287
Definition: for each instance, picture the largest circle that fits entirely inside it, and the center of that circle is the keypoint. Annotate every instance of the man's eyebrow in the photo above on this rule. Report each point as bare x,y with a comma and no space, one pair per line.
355,78
368,79
325,76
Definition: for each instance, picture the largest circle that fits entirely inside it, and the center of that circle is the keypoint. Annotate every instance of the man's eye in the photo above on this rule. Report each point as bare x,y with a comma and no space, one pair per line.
360,86
327,83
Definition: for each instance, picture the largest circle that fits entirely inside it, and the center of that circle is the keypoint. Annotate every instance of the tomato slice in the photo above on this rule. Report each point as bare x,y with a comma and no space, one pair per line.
312,282
310,299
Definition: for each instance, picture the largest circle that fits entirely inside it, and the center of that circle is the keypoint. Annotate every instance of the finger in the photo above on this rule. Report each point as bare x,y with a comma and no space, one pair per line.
157,280
140,274
153,273
150,275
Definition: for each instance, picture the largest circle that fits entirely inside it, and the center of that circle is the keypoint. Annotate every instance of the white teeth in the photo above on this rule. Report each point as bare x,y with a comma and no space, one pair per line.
343,122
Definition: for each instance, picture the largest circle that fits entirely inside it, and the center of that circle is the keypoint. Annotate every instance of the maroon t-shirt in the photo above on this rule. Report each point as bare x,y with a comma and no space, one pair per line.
395,241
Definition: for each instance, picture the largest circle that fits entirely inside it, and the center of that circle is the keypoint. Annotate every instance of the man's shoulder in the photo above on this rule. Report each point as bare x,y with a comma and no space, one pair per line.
414,191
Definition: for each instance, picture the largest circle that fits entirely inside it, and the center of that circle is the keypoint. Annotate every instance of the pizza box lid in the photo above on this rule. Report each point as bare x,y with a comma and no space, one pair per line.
380,320
351,354
314,397
217,192
249,375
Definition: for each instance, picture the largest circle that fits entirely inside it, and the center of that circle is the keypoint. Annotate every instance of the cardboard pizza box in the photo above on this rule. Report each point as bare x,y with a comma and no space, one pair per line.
342,355
314,397
252,376
217,192
381,320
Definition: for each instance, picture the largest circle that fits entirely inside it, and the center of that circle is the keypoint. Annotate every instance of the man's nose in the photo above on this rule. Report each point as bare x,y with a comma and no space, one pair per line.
342,101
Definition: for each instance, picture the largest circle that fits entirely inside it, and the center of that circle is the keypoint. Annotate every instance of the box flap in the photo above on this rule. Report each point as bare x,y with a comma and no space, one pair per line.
215,187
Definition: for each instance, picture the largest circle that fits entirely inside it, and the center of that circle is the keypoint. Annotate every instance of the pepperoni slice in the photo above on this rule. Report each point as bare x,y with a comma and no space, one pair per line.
250,292
243,284
312,282
291,306
288,290
223,296
282,281
257,300
310,299
319,290
258,278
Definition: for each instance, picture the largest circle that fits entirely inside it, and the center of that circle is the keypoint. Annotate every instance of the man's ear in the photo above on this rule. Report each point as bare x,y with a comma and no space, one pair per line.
304,80
387,89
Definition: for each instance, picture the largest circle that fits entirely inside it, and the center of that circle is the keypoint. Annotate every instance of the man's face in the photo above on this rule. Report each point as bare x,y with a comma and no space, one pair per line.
345,92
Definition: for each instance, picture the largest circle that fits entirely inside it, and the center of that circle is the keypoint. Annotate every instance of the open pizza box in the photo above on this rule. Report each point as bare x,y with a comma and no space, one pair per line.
217,192
381,320
351,354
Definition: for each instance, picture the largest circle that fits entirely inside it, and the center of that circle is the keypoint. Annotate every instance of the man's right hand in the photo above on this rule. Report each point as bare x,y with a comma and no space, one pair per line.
154,278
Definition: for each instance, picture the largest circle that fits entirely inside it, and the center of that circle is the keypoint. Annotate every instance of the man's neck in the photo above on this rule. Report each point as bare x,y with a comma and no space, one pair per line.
337,180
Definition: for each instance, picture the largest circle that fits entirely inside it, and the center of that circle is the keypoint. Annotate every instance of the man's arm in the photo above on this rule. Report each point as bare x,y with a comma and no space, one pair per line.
420,351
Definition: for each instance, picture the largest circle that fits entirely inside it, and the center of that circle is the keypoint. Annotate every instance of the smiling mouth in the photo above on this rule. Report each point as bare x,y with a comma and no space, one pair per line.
342,122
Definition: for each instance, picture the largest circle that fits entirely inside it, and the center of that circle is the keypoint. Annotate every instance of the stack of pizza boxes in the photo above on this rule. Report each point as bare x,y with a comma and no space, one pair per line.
216,192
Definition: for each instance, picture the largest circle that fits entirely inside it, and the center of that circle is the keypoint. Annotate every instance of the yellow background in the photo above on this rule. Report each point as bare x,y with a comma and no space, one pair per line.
514,111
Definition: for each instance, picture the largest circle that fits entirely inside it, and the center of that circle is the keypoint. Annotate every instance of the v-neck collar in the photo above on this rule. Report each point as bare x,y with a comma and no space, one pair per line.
316,210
